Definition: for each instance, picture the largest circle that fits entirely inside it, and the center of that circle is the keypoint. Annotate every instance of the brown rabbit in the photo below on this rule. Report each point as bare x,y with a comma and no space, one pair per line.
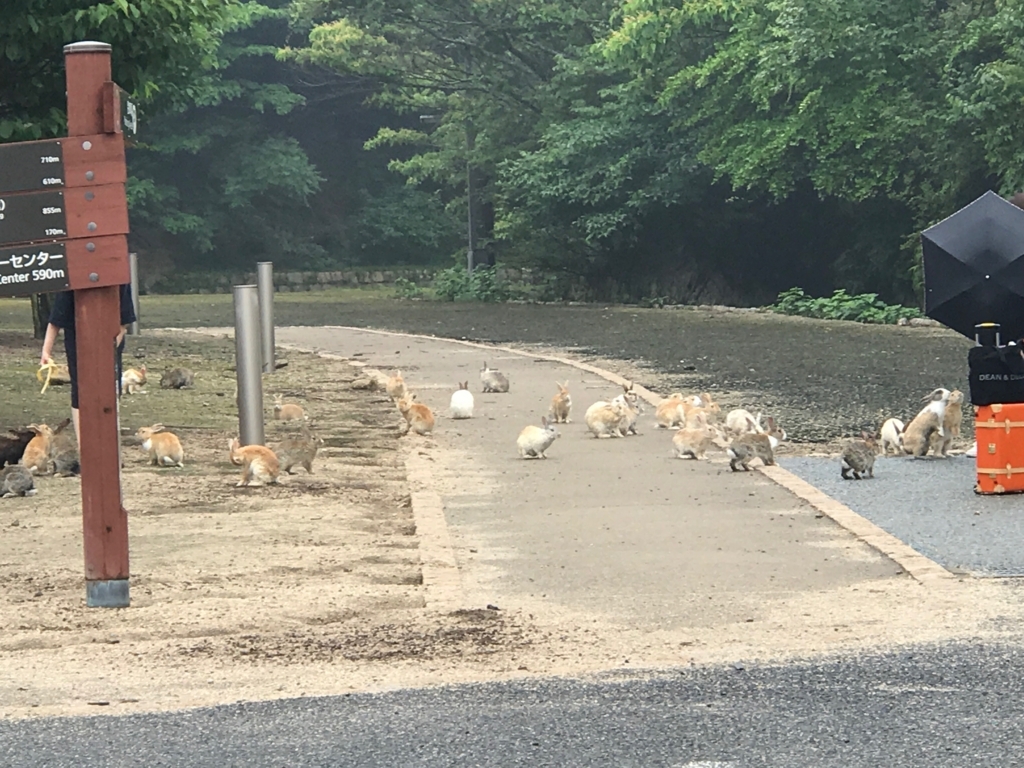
395,386
258,463
287,411
133,379
951,421
694,439
299,450
859,457
747,447
37,453
561,405
418,417
164,448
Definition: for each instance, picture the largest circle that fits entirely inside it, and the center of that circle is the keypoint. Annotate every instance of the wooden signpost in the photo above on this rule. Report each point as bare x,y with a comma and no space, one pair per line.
64,225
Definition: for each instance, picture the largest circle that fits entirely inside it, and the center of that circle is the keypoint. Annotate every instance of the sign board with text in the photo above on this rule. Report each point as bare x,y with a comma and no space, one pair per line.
30,166
38,268
36,216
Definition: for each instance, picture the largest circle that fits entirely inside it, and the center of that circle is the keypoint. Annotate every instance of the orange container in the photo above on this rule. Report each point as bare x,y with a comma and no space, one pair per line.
999,430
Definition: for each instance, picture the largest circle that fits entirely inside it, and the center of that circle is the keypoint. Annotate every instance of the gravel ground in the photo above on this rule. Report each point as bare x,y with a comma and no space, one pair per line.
930,707
931,505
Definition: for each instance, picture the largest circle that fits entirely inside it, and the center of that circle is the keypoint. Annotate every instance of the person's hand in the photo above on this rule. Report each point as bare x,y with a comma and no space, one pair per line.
45,359
119,338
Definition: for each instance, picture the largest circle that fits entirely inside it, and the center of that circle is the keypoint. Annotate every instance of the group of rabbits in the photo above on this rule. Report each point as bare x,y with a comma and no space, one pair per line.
38,449
260,464
695,419
932,429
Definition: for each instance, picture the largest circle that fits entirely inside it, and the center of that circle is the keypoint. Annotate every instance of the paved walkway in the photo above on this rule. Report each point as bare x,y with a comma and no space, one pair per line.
611,527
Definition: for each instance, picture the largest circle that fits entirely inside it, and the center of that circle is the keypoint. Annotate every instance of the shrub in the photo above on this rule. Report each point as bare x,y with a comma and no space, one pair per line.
407,289
456,284
862,308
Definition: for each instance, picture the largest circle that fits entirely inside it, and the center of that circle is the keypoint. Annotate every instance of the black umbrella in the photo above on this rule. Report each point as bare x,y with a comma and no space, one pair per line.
974,267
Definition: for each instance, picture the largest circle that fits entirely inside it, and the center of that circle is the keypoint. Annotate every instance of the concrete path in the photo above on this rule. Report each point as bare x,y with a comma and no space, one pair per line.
613,527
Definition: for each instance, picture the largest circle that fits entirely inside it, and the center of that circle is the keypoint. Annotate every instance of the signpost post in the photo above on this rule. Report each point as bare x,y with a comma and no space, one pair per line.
64,225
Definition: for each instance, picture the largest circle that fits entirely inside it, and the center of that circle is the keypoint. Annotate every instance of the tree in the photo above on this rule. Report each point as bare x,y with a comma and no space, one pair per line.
159,47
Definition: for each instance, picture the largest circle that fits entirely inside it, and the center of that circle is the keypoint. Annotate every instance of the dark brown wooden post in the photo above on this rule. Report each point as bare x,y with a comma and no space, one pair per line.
91,205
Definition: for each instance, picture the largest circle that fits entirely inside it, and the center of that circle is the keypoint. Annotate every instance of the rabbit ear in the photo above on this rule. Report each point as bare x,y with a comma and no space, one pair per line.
157,427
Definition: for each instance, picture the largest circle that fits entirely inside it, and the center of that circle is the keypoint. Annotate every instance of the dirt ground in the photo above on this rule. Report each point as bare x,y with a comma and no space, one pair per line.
321,572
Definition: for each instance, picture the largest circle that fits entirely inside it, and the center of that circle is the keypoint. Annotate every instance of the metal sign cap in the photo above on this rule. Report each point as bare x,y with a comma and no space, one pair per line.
87,46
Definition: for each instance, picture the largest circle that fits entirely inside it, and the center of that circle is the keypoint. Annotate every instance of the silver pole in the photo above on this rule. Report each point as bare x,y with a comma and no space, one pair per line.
133,265
247,365
265,286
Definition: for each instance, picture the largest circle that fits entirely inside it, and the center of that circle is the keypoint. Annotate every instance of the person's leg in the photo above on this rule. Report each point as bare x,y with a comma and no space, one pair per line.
74,422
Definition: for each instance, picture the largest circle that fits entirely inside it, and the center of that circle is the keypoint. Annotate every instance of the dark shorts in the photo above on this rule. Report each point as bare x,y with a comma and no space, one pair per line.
72,355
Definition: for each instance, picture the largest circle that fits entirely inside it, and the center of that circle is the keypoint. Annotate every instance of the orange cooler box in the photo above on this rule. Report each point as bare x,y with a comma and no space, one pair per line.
999,430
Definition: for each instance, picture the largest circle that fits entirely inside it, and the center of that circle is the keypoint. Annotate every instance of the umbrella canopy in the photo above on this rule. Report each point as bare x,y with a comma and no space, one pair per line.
974,267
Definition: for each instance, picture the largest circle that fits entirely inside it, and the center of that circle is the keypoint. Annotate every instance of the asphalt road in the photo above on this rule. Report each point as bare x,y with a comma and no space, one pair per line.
955,706
930,504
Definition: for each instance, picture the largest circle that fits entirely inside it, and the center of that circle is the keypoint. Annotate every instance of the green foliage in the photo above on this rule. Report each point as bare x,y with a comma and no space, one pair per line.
160,47
407,289
862,308
457,284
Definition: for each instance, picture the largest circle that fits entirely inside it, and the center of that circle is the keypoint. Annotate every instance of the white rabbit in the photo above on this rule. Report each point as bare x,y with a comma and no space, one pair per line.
892,436
462,402
533,441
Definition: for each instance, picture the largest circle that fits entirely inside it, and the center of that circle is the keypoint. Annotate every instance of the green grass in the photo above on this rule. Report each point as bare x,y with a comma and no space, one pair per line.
198,310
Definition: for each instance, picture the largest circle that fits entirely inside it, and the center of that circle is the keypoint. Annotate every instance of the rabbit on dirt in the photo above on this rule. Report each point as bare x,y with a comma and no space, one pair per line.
951,421
395,386
461,405
745,448
534,441
64,451
287,411
859,457
177,378
418,417
918,434
299,450
133,379
36,458
493,380
892,437
258,463
164,448
561,404
16,480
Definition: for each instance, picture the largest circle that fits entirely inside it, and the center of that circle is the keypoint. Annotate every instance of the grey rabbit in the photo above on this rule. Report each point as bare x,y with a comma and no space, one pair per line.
493,380
64,450
299,450
16,480
859,457
177,378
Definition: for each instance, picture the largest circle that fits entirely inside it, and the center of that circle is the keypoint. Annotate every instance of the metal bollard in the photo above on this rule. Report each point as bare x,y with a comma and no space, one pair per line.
247,365
265,286
133,265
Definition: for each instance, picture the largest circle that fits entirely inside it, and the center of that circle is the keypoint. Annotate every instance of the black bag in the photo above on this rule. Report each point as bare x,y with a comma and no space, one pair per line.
996,374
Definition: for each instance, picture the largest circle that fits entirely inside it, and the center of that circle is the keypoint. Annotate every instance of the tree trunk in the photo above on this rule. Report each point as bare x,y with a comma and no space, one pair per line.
41,303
